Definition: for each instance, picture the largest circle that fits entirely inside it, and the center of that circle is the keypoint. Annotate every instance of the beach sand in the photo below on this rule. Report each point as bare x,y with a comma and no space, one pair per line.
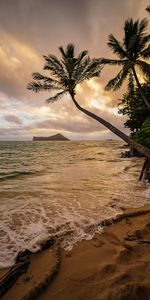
108,267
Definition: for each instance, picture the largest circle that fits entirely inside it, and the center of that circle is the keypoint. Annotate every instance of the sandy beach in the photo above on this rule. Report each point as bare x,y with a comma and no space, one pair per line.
113,265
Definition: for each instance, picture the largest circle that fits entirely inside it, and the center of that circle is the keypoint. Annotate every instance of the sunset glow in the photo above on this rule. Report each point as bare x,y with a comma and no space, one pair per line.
31,31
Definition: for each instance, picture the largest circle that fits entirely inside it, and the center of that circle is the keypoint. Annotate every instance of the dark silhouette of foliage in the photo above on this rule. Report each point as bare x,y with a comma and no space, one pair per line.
134,108
132,53
143,136
148,9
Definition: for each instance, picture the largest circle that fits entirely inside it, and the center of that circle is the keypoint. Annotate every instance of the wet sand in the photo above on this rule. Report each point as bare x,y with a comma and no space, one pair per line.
112,266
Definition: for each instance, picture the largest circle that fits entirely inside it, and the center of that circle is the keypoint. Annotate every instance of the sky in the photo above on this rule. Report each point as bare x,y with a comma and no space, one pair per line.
30,29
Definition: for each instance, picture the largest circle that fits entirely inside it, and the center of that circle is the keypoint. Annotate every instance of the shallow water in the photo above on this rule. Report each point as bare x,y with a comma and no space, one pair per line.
55,187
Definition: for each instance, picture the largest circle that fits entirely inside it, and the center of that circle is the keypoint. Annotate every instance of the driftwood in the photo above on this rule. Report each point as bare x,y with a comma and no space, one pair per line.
136,237
125,216
20,267
131,239
48,278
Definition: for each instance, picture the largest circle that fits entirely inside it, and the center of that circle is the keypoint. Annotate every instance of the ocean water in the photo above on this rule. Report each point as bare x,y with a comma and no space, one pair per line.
49,188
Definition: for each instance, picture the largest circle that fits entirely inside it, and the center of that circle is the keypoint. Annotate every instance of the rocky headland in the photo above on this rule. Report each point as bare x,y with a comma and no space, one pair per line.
56,137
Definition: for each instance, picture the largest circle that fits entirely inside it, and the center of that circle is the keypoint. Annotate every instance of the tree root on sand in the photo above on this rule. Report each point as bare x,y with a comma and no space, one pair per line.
38,289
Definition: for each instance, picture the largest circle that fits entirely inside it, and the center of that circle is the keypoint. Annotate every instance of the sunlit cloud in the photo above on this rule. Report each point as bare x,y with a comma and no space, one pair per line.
16,63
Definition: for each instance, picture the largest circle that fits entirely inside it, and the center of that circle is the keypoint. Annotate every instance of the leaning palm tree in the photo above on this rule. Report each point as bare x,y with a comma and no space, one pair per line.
132,53
65,75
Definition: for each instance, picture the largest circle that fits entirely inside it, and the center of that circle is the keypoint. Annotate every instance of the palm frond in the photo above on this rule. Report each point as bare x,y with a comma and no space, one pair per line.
88,69
128,32
38,86
146,52
54,65
39,77
79,69
68,59
142,44
93,69
116,47
53,60
145,67
68,53
113,62
115,83
143,25
112,83
70,50
80,57
148,8
56,97
61,49
137,45
135,38
57,73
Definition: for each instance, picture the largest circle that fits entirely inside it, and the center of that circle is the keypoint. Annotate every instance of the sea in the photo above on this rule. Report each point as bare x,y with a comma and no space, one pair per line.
64,189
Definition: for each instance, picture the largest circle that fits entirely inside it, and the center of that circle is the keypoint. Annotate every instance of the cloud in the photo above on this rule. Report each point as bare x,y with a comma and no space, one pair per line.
13,119
16,62
29,29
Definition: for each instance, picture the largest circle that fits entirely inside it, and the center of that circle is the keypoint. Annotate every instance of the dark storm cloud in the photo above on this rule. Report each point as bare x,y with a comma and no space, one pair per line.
45,23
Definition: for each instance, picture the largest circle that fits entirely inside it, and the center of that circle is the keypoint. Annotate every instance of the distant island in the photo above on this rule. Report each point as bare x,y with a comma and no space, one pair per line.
56,137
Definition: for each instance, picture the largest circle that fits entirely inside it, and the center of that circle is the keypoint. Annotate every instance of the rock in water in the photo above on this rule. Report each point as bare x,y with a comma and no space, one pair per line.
56,137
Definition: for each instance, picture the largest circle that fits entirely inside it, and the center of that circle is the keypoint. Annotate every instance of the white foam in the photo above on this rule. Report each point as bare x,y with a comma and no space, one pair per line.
32,227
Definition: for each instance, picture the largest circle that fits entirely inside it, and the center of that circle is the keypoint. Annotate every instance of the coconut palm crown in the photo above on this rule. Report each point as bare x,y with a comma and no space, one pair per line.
132,52
65,74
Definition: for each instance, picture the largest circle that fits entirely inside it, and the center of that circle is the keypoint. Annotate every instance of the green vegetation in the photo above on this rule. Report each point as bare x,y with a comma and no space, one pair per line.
143,136
133,106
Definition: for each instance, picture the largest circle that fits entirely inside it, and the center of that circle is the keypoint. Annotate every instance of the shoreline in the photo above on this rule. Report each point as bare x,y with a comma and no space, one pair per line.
113,265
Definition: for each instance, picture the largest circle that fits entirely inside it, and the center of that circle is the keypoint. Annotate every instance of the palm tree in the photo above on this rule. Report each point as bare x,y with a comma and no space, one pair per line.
132,53
65,75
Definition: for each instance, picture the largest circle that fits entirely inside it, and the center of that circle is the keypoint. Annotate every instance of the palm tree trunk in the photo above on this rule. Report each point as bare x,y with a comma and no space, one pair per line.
147,171
143,169
140,89
143,150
